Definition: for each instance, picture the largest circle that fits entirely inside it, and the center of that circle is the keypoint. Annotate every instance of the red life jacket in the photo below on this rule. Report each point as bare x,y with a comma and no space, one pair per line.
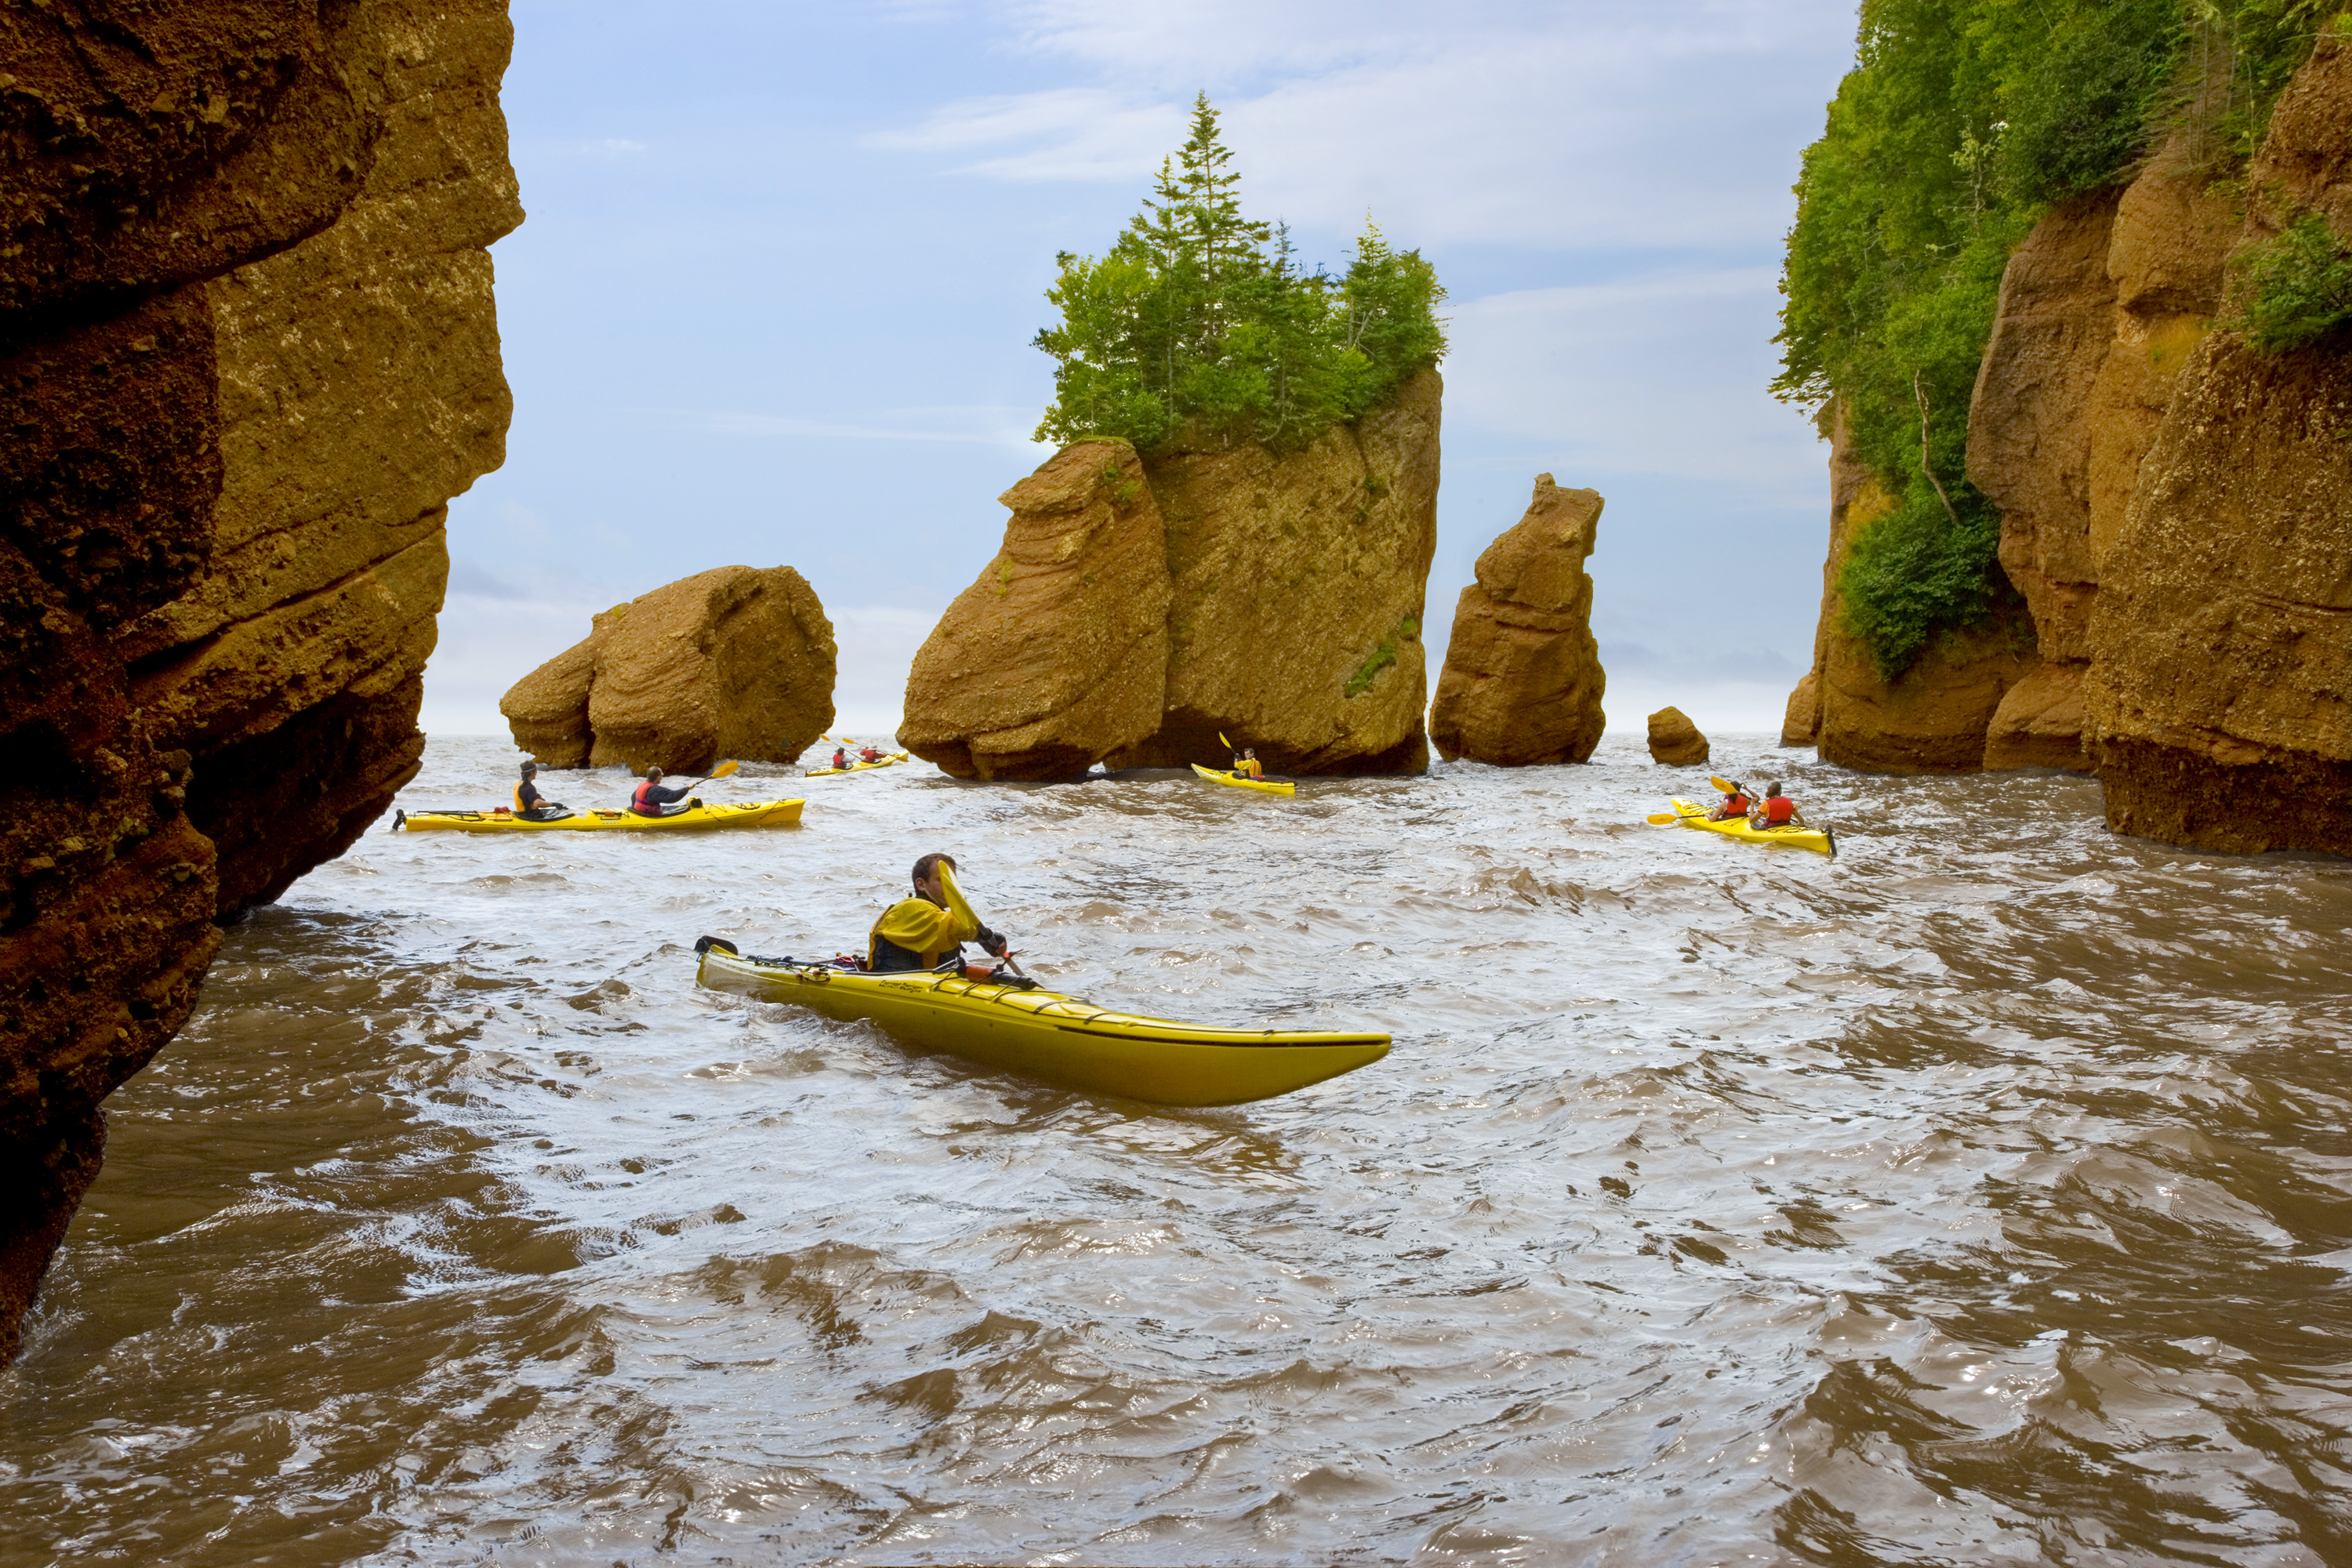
1778,810
640,805
1738,806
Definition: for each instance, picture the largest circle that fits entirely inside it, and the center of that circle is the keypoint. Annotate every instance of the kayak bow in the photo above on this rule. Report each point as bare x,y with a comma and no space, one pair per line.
1044,1034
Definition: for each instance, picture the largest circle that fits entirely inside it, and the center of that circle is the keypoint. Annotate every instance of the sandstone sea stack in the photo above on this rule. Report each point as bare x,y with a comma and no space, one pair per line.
1675,740
731,662
1522,681
1293,584
248,351
1059,654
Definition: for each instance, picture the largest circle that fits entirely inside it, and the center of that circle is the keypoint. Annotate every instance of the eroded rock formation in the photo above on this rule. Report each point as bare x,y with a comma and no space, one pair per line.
1295,584
2218,699
1675,740
733,662
1057,655
1522,681
247,352
1933,716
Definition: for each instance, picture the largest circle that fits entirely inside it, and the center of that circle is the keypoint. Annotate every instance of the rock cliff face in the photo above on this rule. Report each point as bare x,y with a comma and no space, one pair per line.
248,353
1675,740
1293,585
2177,509
731,662
1057,655
1934,715
1522,681
2218,694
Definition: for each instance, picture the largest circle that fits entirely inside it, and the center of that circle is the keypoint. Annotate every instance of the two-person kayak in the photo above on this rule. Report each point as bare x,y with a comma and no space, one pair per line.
893,757
1045,1034
1819,838
696,817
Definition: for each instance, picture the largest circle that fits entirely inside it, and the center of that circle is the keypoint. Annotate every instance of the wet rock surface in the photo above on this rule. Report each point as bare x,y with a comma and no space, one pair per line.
1522,681
247,352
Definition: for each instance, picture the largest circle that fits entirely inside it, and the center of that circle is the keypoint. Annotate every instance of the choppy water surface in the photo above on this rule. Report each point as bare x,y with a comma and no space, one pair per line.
1983,1196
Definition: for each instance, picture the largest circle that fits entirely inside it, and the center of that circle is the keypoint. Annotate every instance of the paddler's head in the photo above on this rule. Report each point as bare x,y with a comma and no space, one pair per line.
530,770
1772,791
653,776
927,877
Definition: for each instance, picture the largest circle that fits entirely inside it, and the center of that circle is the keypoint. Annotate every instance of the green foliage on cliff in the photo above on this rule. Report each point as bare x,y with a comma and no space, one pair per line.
1198,318
1961,123
2297,287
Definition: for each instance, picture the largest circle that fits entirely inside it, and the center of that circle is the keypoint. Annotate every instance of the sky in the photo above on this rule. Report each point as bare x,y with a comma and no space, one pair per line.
775,297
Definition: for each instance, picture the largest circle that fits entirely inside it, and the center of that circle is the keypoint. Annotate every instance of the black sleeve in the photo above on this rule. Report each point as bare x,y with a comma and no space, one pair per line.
528,793
662,795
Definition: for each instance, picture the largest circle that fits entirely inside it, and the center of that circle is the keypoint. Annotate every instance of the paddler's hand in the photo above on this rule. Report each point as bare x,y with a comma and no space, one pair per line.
993,943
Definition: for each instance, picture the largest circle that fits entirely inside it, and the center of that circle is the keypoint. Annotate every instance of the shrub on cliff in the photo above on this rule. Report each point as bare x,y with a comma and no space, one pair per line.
2297,288
1962,122
1199,317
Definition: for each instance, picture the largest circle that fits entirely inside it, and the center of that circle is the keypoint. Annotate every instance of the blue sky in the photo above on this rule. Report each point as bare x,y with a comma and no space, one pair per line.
775,297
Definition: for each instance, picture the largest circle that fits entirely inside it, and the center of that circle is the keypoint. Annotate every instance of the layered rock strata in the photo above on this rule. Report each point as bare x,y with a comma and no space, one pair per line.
1058,657
733,662
1675,740
1522,681
2217,698
248,353
1295,583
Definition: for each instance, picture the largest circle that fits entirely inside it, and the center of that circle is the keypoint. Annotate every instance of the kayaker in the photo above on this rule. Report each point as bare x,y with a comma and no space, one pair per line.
929,930
530,805
1776,810
871,753
1247,766
1735,803
652,799
840,757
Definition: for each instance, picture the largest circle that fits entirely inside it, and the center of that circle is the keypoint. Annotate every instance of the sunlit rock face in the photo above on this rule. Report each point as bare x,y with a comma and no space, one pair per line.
248,353
1058,654
738,661
1522,681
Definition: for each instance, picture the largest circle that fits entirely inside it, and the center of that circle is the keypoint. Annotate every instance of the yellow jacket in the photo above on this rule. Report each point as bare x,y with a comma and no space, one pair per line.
922,927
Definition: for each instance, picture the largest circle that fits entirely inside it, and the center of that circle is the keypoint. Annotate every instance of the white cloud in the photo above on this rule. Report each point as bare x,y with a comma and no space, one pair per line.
1660,376
1579,126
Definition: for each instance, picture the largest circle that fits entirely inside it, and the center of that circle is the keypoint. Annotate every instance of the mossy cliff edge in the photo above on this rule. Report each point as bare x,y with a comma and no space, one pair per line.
2158,441
248,353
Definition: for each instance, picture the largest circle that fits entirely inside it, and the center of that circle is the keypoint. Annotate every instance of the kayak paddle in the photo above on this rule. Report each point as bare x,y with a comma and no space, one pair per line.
1662,819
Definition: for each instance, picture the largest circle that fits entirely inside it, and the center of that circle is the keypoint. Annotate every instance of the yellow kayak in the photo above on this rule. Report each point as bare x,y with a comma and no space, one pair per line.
858,767
1048,1036
758,814
1740,827
1266,786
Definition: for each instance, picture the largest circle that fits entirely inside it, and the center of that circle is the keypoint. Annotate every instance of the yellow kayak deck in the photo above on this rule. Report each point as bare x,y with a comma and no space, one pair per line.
1044,1034
1264,786
893,758
1818,838
757,814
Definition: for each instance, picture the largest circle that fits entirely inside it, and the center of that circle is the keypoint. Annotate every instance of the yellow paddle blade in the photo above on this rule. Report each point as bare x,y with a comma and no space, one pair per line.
1663,817
1723,784
1223,742
723,769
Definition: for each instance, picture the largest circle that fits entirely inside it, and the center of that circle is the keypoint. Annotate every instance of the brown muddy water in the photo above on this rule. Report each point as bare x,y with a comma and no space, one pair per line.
1984,1196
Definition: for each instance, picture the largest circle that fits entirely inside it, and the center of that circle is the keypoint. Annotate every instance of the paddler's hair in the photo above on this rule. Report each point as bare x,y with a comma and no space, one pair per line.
528,769
1773,789
652,772
929,865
